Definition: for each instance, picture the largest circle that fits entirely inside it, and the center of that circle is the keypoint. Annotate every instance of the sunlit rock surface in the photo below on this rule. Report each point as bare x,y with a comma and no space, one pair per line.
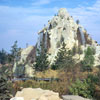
37,94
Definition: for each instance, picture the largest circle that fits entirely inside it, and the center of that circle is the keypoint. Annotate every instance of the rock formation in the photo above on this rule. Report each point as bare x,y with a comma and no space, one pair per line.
36,94
24,66
63,27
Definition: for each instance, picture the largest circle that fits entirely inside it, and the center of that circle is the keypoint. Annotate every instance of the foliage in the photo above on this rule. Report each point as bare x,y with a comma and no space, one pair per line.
94,78
88,62
63,59
4,90
82,88
3,56
42,62
77,21
7,70
55,86
15,52
47,74
9,58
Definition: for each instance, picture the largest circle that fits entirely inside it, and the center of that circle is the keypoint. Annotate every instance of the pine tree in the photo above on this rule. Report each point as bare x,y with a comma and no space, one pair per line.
63,59
3,56
77,21
42,62
15,51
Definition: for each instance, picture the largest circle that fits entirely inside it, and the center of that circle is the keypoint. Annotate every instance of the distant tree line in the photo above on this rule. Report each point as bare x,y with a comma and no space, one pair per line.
14,54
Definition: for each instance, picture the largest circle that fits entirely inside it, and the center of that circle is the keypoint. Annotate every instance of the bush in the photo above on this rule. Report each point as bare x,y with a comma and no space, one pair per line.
4,90
82,88
94,78
88,61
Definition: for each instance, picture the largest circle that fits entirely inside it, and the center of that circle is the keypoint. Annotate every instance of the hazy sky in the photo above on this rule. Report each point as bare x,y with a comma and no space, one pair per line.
22,19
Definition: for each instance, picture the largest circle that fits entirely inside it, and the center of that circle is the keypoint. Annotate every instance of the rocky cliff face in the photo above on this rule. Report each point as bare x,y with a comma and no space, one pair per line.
63,27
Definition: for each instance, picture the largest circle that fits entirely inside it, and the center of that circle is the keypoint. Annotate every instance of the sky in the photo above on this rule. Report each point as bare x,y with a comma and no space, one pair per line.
22,19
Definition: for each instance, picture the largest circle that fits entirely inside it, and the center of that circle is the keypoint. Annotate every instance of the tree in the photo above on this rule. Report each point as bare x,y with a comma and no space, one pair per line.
77,21
88,61
15,52
3,56
42,62
63,59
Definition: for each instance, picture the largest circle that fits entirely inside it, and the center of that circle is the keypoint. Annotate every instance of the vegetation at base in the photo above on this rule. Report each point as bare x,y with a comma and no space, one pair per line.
4,89
41,62
81,78
82,88
63,59
88,61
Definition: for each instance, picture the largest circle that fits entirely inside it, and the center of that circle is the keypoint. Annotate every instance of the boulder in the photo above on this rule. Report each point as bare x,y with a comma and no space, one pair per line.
37,94
17,98
72,97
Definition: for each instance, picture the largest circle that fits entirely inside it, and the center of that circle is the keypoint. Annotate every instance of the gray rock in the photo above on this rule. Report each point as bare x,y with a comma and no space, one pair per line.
72,97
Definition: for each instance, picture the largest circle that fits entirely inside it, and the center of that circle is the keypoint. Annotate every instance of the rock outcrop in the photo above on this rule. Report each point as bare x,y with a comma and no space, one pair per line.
24,66
37,94
73,97
63,27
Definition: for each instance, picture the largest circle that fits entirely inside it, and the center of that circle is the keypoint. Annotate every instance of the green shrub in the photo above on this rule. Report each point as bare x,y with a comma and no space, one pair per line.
4,89
94,78
82,88
88,61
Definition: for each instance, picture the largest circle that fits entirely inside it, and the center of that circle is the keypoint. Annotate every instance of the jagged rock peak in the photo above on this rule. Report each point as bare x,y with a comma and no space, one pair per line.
63,12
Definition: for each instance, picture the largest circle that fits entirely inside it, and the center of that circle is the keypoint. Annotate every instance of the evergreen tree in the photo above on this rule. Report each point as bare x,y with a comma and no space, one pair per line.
87,63
3,56
42,62
63,59
15,52
77,21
